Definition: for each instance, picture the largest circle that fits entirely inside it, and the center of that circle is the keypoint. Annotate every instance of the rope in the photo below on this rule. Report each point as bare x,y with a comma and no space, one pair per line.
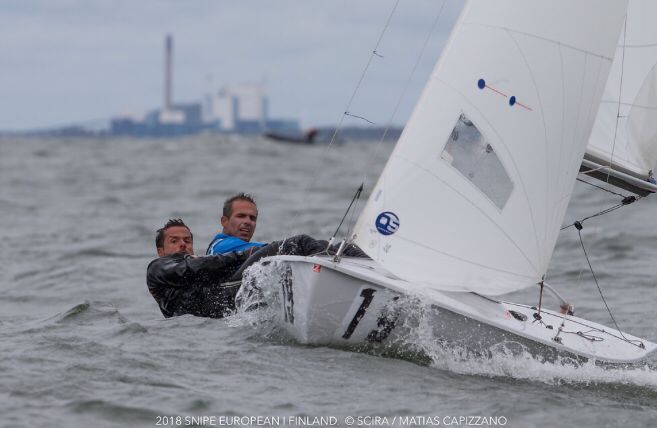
574,321
579,229
354,199
537,316
626,201
620,90
583,334
346,113
362,77
351,218
377,149
600,187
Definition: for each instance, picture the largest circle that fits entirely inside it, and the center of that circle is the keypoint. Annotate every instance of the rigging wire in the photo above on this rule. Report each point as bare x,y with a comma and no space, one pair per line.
574,321
626,201
579,232
362,77
620,91
402,95
600,187
353,212
354,199
346,113
434,25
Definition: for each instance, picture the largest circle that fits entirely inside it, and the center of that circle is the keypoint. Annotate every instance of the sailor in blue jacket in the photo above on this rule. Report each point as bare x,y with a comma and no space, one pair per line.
238,220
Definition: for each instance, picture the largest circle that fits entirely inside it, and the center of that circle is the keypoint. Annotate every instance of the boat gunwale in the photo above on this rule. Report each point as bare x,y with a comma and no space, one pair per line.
350,266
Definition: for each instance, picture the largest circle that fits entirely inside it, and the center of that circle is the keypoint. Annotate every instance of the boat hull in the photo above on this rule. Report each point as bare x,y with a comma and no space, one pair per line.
356,304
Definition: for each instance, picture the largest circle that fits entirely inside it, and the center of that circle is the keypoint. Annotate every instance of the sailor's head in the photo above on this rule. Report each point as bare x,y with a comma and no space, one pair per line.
174,237
239,216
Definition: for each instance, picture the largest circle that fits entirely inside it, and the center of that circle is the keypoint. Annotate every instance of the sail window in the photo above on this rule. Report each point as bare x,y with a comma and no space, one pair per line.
471,154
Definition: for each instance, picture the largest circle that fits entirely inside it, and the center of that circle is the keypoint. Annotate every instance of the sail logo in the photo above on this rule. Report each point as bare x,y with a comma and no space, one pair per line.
387,223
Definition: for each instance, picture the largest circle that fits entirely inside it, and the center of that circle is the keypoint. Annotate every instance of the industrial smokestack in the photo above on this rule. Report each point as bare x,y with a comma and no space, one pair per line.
168,72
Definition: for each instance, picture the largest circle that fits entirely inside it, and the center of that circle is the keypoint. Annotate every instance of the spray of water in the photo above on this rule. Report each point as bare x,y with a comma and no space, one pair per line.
512,359
416,340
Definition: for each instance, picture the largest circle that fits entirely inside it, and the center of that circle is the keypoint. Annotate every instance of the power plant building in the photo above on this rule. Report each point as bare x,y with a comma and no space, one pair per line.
241,108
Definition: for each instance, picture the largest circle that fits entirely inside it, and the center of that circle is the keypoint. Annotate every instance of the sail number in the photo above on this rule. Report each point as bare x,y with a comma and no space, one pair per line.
385,322
288,296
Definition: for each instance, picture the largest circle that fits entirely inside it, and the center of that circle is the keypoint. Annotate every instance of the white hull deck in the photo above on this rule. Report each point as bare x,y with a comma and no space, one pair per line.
355,303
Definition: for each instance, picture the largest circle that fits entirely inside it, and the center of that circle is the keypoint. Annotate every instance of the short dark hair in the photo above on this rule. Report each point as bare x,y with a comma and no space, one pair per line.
228,203
159,234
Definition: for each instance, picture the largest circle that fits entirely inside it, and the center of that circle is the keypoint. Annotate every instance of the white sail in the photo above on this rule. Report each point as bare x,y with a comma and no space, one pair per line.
625,132
475,191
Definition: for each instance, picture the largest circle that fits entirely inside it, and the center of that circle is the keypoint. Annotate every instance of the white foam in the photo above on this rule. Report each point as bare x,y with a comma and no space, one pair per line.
501,361
518,363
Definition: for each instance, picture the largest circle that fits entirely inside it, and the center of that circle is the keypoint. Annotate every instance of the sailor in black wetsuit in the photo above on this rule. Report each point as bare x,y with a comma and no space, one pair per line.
182,283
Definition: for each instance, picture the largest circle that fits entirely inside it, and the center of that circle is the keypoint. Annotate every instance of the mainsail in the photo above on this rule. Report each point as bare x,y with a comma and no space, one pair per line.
624,137
475,191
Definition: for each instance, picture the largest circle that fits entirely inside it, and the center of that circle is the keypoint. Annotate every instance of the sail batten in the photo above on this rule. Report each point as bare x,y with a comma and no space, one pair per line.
474,193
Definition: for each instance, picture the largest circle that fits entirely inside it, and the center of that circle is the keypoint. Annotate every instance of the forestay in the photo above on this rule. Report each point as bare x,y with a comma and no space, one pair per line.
625,132
475,191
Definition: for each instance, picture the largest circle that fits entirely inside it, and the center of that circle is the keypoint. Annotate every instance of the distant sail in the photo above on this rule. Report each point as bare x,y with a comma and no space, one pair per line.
628,145
473,196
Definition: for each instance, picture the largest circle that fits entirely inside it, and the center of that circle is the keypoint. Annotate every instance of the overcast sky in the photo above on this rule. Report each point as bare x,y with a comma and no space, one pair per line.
74,61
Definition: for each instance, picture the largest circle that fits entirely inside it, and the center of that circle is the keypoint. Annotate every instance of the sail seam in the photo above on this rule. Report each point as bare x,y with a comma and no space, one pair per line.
422,168
545,146
541,38
521,184
404,91
346,113
419,244
581,99
648,45
628,104
563,123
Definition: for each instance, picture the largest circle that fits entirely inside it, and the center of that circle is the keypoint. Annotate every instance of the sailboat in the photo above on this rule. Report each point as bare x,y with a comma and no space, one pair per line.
307,138
471,201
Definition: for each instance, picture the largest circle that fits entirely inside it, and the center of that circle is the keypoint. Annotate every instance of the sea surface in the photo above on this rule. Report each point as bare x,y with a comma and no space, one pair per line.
83,344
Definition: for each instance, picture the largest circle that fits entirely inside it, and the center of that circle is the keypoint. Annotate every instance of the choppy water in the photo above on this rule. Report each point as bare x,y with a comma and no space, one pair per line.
83,343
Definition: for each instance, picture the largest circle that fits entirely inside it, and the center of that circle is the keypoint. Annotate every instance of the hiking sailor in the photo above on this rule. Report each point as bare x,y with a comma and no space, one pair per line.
182,283
238,221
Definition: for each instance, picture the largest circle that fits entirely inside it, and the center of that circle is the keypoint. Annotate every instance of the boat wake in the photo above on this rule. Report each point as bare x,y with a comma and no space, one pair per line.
260,308
513,360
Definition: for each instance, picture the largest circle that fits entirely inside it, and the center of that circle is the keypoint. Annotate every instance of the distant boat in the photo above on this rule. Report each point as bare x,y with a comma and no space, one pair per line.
307,138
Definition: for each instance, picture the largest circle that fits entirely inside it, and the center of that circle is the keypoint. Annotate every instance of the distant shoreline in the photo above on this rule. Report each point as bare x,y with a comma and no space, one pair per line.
325,134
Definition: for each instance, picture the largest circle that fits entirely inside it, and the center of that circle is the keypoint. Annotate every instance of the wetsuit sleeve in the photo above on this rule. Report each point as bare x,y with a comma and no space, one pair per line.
180,270
299,245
